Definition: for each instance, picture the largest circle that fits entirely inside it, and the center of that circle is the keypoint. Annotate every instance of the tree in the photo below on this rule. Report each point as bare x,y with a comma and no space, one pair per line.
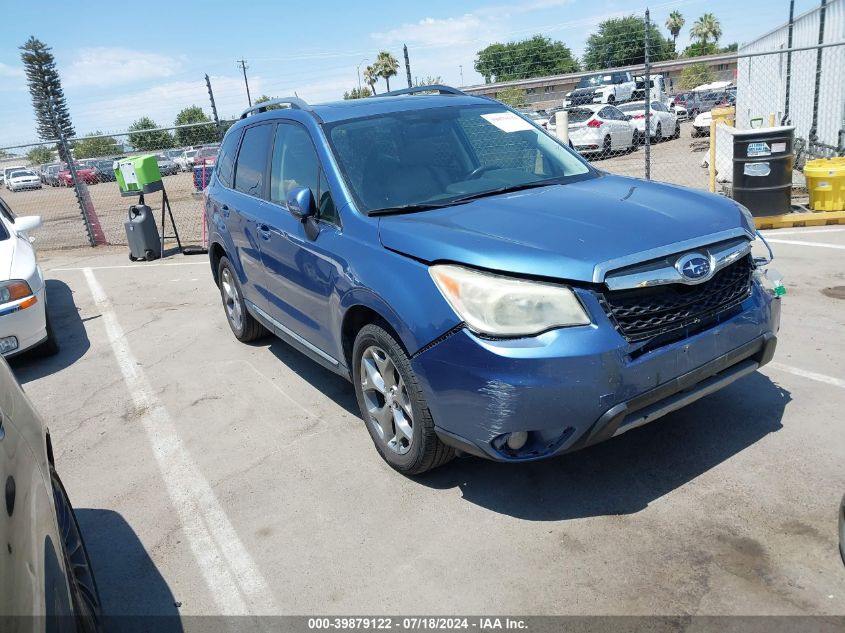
428,81
695,75
533,57
148,141
265,98
514,97
357,93
675,22
89,147
40,154
621,42
705,28
371,77
386,66
45,87
200,135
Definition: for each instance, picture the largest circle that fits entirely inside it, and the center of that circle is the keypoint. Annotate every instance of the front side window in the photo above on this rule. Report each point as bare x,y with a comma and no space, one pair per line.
296,164
439,155
252,160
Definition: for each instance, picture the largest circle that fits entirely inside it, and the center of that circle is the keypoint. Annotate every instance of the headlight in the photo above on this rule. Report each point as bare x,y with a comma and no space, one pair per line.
14,290
504,306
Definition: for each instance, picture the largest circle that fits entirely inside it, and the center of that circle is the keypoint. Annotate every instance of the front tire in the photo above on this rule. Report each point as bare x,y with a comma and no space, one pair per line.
658,134
242,323
392,404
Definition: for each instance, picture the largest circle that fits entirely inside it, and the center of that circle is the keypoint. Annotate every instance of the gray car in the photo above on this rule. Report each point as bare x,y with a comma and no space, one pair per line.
166,166
44,567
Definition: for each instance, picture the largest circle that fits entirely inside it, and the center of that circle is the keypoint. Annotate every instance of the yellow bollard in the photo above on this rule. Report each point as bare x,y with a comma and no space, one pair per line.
713,155
771,119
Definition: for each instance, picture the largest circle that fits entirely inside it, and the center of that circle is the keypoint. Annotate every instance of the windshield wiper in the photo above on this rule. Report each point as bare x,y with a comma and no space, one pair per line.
414,208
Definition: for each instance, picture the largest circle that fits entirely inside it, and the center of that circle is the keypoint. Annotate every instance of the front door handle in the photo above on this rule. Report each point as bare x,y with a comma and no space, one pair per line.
264,231
225,211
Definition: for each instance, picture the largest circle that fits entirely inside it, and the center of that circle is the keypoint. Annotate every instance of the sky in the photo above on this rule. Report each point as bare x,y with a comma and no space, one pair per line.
116,68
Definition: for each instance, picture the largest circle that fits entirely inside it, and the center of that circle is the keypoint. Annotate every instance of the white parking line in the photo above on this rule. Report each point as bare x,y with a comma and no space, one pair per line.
233,579
803,243
803,373
136,266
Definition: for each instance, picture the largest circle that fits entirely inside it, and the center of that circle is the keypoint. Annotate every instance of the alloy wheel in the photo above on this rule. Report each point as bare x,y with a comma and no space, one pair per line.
231,299
386,398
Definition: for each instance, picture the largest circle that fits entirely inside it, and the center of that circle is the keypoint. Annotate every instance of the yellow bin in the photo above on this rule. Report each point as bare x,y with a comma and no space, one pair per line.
724,115
826,183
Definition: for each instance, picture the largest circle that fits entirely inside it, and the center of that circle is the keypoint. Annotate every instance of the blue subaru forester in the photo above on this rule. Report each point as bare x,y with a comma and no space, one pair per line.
484,288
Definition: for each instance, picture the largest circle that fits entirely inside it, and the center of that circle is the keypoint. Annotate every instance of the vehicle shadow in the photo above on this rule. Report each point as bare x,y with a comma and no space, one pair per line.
134,595
70,332
329,383
627,473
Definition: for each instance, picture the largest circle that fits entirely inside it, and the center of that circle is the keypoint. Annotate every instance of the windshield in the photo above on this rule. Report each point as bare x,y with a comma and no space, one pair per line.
21,174
191,153
595,80
631,107
208,151
437,156
579,115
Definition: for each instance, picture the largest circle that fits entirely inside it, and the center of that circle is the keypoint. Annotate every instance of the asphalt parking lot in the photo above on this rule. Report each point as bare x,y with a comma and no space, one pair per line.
231,478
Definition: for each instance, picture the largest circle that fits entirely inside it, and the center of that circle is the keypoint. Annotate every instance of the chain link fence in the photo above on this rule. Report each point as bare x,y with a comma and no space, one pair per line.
644,110
83,206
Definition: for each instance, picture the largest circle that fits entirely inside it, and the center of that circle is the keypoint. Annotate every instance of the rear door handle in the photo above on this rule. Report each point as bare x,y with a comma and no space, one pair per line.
264,231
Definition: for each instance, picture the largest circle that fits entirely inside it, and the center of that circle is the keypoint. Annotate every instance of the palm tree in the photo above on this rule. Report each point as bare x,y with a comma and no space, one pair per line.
706,27
371,76
386,65
675,22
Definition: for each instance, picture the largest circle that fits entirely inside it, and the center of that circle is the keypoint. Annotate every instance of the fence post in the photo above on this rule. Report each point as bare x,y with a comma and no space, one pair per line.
647,86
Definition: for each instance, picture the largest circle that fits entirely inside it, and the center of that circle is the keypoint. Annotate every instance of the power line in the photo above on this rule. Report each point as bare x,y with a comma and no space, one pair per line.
242,64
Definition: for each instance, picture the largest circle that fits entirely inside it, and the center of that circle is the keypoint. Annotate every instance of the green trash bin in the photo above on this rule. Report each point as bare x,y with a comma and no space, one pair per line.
138,174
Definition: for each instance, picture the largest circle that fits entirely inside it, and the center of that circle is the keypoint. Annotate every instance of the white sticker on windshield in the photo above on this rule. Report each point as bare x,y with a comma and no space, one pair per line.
508,121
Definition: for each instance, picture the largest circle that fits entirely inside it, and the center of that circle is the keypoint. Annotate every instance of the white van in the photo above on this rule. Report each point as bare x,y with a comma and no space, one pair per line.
657,90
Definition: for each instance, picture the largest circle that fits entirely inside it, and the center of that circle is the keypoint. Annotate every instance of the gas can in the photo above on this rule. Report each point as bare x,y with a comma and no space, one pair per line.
142,234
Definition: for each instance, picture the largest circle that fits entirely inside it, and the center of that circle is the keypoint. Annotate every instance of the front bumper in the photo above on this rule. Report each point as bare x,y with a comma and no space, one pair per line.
570,388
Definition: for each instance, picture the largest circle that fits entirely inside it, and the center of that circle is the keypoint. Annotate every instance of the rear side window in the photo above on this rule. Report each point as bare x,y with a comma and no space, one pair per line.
252,160
226,159
579,115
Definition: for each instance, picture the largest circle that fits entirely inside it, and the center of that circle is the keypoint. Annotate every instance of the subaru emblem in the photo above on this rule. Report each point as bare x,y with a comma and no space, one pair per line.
694,267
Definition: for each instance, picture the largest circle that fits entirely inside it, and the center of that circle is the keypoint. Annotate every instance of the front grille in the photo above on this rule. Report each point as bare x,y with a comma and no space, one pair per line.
642,313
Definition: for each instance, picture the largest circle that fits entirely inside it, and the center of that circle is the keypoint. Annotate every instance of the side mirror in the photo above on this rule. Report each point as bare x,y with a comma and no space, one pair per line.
27,223
301,203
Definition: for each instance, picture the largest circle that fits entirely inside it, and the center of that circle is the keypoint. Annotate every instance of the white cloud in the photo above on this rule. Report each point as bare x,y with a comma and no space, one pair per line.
440,32
103,66
10,71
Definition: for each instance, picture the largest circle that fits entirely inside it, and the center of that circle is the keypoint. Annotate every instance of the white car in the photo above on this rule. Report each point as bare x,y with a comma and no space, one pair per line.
185,160
23,179
662,122
609,87
701,124
23,297
600,128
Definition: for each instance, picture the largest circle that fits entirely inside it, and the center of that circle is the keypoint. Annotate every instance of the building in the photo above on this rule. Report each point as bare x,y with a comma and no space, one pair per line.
805,87
548,92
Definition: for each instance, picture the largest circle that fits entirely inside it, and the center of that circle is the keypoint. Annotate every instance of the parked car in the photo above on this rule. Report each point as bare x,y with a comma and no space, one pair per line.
87,174
484,288
23,179
186,159
662,122
46,575
657,88
166,167
697,102
609,87
24,323
206,155
601,129
51,175
176,155
8,170
104,169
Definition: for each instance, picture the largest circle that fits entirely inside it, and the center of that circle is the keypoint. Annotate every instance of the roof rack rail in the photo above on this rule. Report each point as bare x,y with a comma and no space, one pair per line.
291,102
440,89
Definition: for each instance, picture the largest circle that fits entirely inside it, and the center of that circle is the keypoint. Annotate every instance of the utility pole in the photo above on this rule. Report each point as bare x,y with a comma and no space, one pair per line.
242,64
461,66
214,109
407,66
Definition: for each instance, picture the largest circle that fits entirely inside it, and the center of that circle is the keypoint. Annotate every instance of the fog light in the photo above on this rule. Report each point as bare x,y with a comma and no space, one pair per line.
10,344
517,440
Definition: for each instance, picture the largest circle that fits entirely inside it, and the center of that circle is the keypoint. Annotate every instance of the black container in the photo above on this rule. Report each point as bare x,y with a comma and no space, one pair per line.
762,169
142,234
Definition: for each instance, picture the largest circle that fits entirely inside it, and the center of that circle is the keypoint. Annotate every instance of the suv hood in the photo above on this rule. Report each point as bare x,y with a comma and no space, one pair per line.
561,231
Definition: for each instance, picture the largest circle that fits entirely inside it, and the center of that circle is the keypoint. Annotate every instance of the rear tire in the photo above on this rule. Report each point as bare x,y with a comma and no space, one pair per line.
658,134
606,147
242,323
392,404
677,130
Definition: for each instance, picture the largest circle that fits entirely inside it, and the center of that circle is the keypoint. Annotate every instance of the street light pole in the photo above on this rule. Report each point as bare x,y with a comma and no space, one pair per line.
358,68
